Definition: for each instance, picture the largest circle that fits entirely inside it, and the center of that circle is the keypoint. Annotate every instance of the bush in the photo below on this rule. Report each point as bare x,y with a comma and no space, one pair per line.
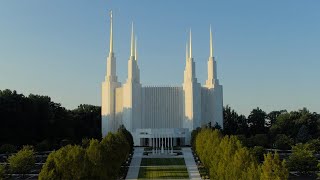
23,161
302,159
8,148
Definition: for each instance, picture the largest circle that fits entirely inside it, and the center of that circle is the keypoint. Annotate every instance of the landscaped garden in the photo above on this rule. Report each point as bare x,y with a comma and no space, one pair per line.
163,168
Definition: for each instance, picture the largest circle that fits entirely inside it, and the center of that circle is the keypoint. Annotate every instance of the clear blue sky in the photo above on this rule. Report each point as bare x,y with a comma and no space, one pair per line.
267,51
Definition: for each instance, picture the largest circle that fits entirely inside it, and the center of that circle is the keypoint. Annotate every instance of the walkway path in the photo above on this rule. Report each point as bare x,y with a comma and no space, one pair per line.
133,171
191,164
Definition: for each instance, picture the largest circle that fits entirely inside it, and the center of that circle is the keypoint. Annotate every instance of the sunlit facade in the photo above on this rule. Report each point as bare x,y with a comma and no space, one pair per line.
153,113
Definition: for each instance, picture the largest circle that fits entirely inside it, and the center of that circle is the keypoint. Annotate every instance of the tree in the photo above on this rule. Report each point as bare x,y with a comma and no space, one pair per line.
2,171
273,168
23,161
303,134
302,159
66,163
283,142
234,123
257,121
273,115
314,144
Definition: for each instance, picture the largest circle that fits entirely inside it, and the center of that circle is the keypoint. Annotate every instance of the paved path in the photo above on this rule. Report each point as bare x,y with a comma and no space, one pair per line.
191,164
133,171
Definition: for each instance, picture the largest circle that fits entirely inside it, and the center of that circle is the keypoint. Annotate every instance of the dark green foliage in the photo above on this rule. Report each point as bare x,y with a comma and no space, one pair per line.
302,159
7,148
128,136
303,134
23,161
260,140
43,146
194,134
314,145
234,123
2,171
97,160
257,121
283,142
258,152
37,118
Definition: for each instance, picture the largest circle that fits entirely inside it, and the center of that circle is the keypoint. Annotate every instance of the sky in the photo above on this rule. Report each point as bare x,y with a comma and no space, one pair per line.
267,52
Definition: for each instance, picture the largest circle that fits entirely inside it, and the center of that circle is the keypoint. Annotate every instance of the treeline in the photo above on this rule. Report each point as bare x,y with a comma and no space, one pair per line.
226,158
277,129
36,120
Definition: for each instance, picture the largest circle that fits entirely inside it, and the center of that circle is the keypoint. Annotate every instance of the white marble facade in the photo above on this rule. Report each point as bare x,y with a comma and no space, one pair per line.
150,111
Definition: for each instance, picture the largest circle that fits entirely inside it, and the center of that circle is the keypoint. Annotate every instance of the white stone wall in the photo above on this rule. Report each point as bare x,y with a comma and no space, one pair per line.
162,107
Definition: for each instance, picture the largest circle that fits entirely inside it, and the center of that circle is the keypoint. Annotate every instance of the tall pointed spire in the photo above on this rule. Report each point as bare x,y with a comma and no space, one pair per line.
211,47
190,45
132,41
135,49
187,55
111,33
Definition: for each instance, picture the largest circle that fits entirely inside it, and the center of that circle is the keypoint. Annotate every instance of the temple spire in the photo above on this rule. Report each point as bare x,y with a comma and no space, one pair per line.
211,47
111,33
132,41
190,45
187,55
135,49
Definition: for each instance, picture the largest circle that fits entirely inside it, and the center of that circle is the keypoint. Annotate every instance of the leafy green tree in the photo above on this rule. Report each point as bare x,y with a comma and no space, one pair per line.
273,115
283,142
303,134
314,144
233,122
302,159
257,121
122,130
2,171
273,169
23,161
225,157
66,163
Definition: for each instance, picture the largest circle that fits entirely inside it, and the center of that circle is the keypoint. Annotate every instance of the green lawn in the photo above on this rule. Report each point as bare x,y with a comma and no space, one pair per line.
162,161
163,172
163,168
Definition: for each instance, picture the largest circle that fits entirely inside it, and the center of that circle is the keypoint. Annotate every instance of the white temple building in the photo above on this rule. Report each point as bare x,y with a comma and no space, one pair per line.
155,115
